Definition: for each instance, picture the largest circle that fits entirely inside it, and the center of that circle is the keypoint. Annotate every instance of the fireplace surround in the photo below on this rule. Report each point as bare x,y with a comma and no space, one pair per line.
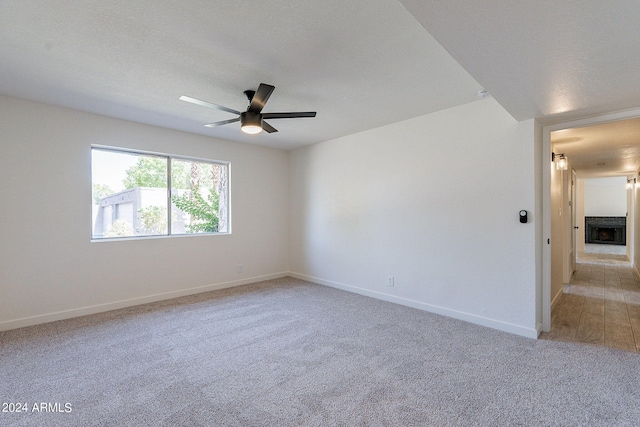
610,230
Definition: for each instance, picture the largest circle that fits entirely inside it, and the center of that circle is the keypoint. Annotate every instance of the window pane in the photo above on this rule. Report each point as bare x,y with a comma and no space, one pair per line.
199,197
129,194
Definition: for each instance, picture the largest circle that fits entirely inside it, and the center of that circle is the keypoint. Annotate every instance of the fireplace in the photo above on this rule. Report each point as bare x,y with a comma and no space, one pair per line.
610,230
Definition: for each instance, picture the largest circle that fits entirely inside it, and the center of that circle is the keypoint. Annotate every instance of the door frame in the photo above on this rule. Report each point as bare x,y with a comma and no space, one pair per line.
546,198
570,268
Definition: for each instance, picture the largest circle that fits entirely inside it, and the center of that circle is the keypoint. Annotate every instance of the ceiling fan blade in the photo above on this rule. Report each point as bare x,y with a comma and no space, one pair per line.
223,122
260,98
288,115
268,128
207,104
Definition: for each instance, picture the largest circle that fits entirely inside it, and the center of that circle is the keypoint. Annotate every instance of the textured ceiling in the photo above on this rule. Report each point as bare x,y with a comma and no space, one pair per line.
359,63
547,59
601,150
554,61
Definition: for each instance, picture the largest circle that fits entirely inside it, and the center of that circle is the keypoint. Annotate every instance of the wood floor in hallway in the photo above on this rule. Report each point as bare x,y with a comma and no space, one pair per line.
601,304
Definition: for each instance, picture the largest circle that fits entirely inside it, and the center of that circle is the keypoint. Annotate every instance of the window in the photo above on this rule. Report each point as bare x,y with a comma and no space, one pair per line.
137,194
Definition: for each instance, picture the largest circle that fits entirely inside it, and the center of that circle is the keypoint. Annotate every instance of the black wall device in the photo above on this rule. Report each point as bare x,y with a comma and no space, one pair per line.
523,217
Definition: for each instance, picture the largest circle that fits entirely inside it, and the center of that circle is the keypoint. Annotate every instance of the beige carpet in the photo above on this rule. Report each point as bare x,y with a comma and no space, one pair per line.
291,353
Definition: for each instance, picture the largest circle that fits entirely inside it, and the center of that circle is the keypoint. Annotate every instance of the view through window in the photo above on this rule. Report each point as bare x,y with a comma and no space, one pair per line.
137,194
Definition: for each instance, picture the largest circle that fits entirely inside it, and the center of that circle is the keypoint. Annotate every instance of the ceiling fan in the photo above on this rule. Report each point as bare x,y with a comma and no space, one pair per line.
252,120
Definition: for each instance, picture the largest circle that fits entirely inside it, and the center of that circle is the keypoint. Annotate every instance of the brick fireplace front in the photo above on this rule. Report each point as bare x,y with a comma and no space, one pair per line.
610,230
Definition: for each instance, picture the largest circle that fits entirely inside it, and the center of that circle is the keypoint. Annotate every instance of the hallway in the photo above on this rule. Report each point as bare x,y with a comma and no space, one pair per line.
601,304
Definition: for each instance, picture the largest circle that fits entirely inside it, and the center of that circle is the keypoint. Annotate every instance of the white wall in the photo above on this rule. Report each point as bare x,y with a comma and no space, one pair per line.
601,197
50,270
434,202
605,196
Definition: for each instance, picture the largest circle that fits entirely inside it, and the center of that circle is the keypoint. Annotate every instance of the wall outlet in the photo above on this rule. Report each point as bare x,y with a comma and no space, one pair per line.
390,281
240,268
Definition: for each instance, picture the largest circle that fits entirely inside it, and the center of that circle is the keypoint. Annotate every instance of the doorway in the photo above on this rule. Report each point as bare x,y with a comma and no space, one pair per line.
591,157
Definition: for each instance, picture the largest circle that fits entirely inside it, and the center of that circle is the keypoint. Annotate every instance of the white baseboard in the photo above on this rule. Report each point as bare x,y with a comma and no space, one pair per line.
538,329
556,299
100,308
471,318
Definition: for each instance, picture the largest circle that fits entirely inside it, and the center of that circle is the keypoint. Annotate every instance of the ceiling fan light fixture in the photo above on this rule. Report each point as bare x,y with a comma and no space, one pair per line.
251,122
